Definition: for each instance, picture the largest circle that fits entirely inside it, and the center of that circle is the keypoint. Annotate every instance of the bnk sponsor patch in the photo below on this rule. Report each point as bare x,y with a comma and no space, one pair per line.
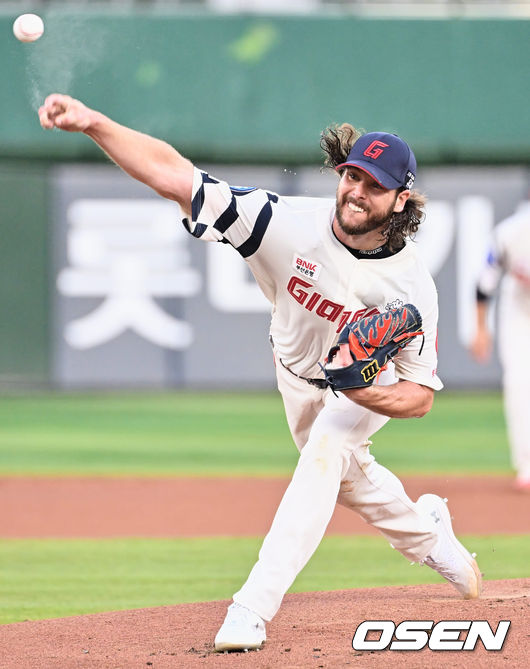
306,267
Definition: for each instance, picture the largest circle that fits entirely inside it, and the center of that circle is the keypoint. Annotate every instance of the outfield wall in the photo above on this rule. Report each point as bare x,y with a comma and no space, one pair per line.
249,88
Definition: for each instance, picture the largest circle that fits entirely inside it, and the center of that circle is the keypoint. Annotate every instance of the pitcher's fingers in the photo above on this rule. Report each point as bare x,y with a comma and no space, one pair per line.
345,358
57,98
64,119
56,109
44,119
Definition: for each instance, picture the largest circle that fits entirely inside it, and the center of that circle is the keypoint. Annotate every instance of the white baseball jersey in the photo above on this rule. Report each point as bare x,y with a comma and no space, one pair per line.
314,283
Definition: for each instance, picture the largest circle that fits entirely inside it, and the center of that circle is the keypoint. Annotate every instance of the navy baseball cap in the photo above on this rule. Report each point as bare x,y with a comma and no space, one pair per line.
386,157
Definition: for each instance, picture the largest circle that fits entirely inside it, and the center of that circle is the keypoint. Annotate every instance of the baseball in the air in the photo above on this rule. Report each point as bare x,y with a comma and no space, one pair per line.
28,27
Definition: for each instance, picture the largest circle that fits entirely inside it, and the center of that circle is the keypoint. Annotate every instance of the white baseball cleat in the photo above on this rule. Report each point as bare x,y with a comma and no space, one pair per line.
449,557
242,630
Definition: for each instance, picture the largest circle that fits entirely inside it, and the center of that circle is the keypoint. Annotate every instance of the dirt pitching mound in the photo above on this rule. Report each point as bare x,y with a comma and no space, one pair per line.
311,631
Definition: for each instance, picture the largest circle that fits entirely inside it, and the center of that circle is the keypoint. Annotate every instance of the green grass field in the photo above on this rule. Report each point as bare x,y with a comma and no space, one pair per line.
48,579
198,434
220,434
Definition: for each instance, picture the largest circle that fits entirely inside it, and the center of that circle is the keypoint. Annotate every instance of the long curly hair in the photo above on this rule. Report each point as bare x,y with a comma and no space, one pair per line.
336,141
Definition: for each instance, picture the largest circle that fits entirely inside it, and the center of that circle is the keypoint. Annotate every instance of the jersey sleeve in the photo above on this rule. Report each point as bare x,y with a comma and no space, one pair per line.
229,214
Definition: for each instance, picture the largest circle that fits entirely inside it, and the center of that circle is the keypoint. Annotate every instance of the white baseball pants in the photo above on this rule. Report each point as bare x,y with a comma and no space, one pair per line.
335,465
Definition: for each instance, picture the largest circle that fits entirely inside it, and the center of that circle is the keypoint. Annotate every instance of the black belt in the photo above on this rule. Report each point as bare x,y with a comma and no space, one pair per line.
319,383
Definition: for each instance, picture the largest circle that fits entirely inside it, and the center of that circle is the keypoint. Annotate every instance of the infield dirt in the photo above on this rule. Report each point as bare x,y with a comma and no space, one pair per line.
178,507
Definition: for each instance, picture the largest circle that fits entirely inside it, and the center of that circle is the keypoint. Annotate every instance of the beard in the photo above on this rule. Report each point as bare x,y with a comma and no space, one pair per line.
372,222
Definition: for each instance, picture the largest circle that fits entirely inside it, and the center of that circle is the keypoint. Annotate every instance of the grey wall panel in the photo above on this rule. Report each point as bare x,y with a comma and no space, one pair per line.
93,253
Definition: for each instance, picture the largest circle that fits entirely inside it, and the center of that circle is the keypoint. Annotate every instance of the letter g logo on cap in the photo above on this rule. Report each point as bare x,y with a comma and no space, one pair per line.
375,149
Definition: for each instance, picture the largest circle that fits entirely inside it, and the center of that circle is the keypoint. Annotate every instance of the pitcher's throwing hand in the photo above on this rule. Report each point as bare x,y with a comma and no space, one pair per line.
62,111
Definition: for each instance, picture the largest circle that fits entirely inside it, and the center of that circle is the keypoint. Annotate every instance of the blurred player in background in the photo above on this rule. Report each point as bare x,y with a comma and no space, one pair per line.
508,268
321,263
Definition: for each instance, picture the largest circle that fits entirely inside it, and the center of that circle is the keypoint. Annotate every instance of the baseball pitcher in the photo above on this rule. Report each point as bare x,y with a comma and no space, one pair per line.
353,333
